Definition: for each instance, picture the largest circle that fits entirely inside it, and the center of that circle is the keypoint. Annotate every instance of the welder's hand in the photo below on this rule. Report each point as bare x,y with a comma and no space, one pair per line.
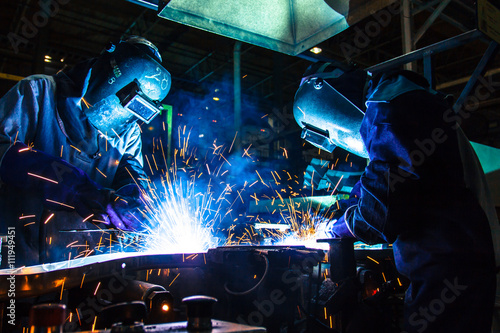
126,210
338,229
344,204
320,216
61,185
87,197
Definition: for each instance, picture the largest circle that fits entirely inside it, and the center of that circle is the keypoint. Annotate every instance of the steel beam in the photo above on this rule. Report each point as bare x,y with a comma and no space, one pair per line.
407,31
435,14
488,55
445,45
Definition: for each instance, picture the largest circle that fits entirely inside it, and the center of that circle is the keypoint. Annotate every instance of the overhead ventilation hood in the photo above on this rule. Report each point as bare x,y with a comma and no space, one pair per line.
287,26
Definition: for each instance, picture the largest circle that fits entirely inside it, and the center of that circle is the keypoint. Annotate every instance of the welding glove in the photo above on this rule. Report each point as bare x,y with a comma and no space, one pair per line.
344,204
128,208
338,229
62,185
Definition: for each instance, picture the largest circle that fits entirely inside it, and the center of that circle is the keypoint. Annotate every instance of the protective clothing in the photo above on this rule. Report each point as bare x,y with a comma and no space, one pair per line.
425,192
336,227
63,186
45,112
128,212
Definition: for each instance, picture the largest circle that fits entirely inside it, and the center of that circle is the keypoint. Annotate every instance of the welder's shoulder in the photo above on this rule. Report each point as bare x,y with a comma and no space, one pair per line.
387,89
38,85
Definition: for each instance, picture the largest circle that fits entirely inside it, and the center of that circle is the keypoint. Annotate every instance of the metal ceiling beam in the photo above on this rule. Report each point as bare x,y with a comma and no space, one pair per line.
485,60
445,45
134,23
430,8
407,31
465,6
151,4
435,14
422,6
465,79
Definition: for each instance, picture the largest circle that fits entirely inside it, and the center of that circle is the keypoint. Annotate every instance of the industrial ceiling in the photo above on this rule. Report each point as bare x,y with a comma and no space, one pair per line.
46,36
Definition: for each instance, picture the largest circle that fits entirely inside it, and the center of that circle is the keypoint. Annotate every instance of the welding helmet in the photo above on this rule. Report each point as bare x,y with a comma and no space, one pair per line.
127,83
329,105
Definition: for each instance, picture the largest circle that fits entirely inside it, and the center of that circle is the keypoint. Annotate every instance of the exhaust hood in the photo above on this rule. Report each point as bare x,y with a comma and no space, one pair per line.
287,26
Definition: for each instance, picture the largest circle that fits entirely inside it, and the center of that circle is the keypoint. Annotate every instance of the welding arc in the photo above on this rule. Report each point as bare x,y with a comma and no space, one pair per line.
236,293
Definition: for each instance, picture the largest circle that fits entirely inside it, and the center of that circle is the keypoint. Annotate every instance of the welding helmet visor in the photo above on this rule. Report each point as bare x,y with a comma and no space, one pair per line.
127,83
328,108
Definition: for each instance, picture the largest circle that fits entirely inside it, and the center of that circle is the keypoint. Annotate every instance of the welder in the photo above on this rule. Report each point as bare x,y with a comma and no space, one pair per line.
423,189
71,152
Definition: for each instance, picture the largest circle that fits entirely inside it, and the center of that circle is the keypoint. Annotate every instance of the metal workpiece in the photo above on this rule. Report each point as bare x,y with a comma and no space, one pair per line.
257,288
43,279
341,258
218,326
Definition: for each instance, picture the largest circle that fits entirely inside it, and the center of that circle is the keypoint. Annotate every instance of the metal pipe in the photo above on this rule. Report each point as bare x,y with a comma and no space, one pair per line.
428,69
406,31
435,14
464,79
151,4
447,44
237,92
485,60
11,77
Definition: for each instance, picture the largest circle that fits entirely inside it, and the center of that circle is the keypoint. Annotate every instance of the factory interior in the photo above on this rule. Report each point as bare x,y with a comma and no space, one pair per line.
238,198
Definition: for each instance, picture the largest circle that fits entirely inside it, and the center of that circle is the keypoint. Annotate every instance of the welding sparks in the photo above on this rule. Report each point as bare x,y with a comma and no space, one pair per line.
60,203
48,219
179,220
43,178
184,212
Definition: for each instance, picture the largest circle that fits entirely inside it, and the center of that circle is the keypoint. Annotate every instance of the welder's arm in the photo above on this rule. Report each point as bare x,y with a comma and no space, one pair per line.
129,211
338,228
390,185
62,185
19,109
367,220
131,185
130,170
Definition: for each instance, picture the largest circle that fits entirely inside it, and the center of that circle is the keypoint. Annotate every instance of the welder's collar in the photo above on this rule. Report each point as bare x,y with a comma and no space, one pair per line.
71,85
385,87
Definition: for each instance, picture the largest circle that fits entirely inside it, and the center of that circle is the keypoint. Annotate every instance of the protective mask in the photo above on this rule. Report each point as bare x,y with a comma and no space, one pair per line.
327,118
109,117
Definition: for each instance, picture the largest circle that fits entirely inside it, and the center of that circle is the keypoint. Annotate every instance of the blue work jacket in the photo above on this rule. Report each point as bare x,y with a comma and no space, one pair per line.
45,112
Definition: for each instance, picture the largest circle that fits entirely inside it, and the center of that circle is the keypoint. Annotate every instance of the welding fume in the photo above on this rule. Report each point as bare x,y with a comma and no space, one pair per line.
71,152
423,189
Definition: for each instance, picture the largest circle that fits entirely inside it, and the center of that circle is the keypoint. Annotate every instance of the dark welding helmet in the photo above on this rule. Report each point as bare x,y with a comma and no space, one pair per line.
127,83
328,107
